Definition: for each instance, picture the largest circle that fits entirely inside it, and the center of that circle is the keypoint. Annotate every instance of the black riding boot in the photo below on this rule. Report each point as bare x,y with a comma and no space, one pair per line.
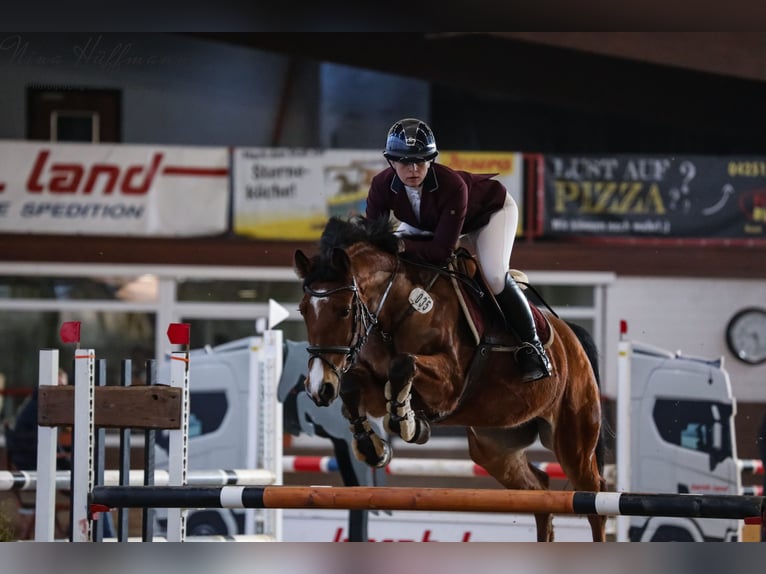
531,355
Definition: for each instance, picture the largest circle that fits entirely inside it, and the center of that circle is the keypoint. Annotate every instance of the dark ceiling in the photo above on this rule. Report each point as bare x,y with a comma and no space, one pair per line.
622,82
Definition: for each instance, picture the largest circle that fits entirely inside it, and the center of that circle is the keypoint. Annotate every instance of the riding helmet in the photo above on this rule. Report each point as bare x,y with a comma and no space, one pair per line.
410,139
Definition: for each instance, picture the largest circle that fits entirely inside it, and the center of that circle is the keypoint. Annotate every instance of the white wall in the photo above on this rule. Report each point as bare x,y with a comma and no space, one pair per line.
684,314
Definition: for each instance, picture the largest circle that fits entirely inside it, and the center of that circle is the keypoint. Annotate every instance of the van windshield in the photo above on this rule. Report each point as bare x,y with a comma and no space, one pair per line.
703,426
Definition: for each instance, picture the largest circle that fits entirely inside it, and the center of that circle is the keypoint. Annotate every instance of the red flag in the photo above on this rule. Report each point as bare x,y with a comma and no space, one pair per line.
178,333
70,332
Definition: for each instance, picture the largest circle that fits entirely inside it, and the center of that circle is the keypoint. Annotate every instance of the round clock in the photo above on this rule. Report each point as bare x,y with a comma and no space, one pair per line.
746,335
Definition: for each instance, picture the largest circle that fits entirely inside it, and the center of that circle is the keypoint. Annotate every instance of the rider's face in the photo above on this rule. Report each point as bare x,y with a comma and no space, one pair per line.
411,174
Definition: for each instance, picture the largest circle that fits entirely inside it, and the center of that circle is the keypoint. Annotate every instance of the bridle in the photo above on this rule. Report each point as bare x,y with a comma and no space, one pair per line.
363,320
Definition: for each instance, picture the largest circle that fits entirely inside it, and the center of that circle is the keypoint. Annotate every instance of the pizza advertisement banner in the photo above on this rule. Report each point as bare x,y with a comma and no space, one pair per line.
705,198
115,189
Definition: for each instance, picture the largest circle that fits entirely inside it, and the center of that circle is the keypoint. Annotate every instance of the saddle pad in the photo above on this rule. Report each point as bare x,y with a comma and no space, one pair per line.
481,311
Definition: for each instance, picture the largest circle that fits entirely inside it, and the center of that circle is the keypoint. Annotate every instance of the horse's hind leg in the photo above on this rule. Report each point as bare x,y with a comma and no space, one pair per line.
501,452
576,437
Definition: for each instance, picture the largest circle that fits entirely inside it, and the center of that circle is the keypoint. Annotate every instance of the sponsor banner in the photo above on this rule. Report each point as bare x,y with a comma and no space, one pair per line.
289,194
98,189
508,166
695,197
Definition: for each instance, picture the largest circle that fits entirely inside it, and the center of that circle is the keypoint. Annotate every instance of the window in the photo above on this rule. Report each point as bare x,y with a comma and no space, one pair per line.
74,114
701,426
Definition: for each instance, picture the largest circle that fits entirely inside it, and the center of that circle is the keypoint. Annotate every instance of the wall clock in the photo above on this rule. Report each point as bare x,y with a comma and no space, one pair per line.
746,335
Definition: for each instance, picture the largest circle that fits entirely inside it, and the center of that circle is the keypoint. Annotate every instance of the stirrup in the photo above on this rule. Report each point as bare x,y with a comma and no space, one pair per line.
533,361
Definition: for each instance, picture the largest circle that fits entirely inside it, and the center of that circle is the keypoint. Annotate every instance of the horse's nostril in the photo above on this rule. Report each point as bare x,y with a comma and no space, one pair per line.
327,393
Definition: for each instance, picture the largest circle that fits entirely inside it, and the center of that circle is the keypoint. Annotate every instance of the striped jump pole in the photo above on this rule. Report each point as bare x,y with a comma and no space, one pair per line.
27,479
431,499
444,467
750,466
450,467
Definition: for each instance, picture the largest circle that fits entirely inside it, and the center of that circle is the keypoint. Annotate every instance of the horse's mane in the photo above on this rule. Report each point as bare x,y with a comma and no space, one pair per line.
343,233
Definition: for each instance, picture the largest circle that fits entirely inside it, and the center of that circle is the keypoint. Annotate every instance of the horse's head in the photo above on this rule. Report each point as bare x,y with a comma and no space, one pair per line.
330,310
337,320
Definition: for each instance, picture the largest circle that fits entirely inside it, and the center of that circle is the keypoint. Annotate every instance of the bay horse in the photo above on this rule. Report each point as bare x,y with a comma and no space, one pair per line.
392,339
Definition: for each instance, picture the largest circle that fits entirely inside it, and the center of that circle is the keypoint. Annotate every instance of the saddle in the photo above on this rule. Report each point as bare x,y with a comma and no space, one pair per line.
485,319
482,312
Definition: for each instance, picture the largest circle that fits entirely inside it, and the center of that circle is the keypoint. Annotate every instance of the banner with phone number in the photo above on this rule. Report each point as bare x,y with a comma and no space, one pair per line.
694,197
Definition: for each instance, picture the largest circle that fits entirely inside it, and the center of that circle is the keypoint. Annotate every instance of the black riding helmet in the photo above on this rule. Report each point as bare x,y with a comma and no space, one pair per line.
410,140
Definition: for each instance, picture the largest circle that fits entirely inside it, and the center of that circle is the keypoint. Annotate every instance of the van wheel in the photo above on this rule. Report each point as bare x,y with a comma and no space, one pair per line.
206,524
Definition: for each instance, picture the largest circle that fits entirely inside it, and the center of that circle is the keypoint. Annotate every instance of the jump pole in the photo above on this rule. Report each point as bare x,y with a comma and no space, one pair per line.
432,499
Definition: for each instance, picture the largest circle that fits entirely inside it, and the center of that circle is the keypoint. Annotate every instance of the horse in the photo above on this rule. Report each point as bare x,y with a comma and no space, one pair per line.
392,339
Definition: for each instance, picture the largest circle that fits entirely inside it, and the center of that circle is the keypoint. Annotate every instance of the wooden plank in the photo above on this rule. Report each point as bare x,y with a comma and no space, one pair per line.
139,407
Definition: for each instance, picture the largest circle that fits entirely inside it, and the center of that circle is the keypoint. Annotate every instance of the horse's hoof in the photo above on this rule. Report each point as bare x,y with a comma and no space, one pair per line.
411,429
423,432
386,455
373,451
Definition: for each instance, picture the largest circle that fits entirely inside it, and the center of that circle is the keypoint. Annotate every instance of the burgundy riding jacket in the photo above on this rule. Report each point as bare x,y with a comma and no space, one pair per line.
452,203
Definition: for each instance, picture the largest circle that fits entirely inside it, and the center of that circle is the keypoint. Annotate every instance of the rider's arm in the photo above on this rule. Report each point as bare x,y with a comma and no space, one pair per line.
451,204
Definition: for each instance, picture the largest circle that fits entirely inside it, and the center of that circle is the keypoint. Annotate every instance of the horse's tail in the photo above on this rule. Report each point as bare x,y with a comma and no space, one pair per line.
591,350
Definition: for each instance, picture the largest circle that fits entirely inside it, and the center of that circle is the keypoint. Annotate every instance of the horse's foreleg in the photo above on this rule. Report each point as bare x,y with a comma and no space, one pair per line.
367,446
400,418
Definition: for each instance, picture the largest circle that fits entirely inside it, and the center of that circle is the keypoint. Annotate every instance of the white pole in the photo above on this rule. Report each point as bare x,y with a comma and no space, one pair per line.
624,431
272,422
47,439
82,468
264,425
178,446
254,421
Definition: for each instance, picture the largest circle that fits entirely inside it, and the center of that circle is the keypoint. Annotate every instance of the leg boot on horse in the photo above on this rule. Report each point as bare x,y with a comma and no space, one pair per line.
401,419
531,355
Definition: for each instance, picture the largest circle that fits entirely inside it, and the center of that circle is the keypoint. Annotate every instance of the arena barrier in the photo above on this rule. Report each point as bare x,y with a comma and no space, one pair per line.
752,508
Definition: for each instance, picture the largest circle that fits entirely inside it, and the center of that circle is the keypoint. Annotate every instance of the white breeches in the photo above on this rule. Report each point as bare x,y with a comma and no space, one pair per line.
493,244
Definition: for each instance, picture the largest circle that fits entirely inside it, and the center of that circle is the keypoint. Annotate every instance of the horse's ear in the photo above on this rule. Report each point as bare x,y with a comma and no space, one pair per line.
340,260
302,263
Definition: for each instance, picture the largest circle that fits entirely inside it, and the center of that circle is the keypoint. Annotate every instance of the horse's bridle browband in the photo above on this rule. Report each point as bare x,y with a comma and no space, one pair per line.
364,321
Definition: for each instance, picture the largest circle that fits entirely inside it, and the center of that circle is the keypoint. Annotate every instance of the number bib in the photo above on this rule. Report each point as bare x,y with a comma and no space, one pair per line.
420,300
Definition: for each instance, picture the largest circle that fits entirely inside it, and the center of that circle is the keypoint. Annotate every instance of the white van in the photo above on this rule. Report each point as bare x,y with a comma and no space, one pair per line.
682,439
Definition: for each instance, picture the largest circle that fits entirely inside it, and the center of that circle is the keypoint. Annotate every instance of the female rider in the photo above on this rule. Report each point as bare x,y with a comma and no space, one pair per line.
440,205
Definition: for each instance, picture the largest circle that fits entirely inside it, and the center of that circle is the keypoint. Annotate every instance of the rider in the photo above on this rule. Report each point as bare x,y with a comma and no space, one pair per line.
436,205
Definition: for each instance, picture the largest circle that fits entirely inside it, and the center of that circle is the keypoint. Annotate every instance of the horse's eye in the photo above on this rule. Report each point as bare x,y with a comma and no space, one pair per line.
346,312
